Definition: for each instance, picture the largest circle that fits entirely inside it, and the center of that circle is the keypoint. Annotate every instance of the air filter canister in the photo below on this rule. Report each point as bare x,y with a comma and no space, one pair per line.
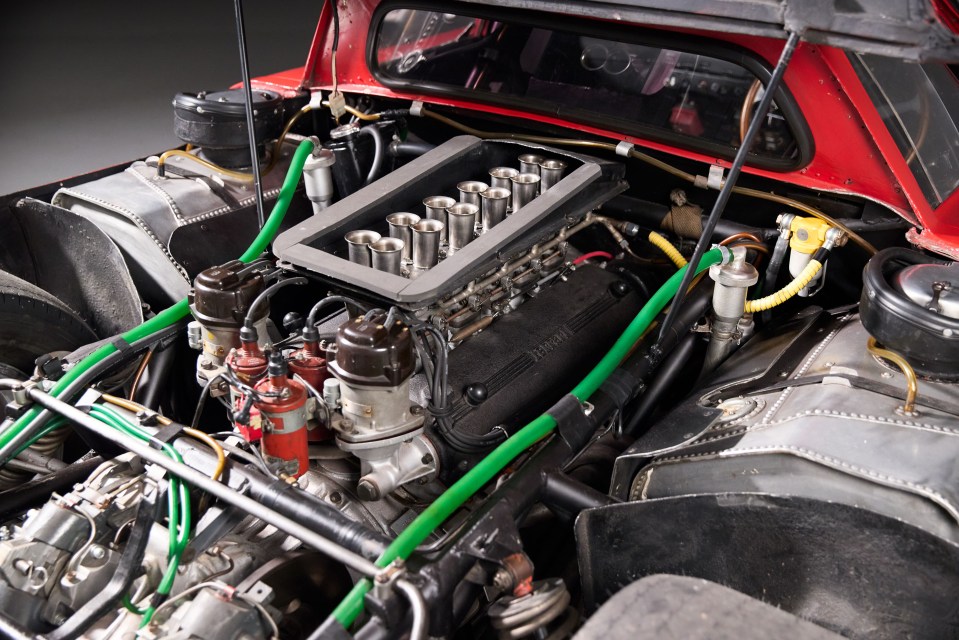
898,312
216,122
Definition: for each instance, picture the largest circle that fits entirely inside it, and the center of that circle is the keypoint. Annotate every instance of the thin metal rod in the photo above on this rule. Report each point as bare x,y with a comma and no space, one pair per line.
204,483
726,191
248,95
417,606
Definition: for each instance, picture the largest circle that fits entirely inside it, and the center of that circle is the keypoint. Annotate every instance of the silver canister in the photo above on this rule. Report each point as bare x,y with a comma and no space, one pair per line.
461,223
470,191
359,244
436,207
400,224
525,186
426,242
500,177
495,200
530,162
550,172
387,254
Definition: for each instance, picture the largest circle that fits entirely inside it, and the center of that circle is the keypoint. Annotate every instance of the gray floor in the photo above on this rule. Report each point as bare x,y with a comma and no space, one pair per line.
89,84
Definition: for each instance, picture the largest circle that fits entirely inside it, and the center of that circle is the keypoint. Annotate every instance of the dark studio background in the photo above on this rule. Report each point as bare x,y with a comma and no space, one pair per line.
89,84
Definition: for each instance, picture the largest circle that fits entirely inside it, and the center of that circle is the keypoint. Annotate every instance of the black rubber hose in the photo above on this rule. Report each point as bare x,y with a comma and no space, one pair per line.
400,149
643,364
161,369
30,494
312,512
570,496
665,378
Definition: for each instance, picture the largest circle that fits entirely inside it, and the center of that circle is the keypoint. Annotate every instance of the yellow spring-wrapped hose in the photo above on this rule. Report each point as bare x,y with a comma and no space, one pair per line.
775,299
667,247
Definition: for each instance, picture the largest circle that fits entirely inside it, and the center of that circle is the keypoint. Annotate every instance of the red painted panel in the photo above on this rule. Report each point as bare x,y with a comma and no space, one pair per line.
854,152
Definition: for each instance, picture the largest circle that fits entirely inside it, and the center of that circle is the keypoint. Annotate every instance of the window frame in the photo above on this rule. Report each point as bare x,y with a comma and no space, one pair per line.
686,43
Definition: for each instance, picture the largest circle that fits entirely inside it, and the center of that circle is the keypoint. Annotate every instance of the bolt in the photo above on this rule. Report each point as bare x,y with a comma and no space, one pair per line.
97,552
502,580
336,498
367,490
416,410
427,459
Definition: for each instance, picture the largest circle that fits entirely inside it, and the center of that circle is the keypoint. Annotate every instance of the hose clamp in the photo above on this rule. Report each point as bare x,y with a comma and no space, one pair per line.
624,148
715,178
727,255
384,580
416,109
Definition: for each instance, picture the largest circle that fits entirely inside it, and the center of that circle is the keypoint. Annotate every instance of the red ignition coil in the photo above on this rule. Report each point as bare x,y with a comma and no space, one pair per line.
282,406
248,364
309,364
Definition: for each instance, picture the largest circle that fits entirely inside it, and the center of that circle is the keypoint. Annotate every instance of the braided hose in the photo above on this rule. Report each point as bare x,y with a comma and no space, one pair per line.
775,299
667,247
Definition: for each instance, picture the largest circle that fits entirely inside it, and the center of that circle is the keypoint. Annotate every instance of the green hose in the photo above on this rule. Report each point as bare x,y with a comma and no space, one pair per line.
181,309
178,503
464,488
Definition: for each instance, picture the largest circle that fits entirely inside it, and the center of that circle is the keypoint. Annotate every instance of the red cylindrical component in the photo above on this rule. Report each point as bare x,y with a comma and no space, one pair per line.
248,364
282,407
311,366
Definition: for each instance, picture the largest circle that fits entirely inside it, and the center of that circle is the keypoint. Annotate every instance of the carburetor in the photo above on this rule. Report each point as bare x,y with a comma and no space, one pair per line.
374,361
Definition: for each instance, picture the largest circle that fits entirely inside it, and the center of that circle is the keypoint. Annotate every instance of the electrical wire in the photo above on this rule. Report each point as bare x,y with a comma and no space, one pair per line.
139,374
204,394
743,235
593,254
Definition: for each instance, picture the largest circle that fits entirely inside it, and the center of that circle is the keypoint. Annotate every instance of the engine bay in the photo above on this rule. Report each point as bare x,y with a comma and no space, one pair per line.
473,379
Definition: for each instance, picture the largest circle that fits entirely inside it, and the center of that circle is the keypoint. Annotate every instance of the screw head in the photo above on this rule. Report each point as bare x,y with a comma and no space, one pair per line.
368,490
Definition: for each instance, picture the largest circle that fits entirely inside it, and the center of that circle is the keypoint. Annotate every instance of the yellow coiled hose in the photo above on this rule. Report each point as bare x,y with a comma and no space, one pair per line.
775,299
667,247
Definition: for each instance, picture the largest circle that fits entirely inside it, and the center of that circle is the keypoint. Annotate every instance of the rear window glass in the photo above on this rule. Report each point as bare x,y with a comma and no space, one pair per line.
675,95
919,103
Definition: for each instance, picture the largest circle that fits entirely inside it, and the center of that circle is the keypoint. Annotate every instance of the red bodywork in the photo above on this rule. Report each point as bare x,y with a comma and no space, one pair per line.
854,152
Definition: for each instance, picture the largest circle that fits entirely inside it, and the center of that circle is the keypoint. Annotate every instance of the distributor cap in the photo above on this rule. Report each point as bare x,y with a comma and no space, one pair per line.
370,353
222,295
